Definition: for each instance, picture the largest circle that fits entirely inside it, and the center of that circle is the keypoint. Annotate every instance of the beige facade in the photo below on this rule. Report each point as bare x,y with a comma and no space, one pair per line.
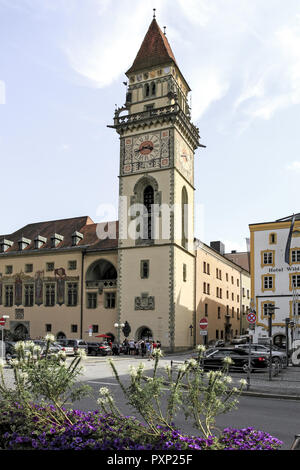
222,295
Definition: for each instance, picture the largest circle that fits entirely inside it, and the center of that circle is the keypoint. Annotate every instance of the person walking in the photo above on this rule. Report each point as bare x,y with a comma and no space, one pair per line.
143,348
131,347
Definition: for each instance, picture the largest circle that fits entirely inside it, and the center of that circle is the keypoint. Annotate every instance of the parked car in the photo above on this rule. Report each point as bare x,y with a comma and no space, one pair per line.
54,347
243,339
278,356
98,349
71,346
219,343
214,359
10,352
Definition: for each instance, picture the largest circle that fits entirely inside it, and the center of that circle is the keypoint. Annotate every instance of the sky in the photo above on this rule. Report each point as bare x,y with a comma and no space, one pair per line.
62,66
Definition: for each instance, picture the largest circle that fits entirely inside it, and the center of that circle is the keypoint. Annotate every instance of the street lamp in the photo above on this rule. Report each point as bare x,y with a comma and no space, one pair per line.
5,317
119,326
270,311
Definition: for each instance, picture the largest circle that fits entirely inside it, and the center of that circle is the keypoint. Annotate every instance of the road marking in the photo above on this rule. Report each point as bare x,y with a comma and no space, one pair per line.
101,383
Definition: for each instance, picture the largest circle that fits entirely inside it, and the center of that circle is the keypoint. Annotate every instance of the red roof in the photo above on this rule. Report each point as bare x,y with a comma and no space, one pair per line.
155,50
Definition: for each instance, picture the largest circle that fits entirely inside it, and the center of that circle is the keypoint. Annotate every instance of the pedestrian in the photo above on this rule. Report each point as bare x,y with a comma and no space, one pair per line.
131,347
143,348
137,348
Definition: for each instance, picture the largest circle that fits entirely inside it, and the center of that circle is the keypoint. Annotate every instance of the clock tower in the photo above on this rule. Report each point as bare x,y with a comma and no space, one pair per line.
156,258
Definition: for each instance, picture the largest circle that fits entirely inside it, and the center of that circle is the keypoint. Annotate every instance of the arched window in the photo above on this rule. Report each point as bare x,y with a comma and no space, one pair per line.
147,89
184,217
101,270
148,202
153,89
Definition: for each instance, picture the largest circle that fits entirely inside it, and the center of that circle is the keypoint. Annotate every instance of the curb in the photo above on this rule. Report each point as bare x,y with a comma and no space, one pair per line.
270,395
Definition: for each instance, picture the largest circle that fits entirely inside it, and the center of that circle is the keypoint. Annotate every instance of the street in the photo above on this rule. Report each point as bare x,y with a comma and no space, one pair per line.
279,417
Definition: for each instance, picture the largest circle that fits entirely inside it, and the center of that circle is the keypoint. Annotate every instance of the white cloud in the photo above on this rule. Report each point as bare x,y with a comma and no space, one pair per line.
2,92
294,166
246,52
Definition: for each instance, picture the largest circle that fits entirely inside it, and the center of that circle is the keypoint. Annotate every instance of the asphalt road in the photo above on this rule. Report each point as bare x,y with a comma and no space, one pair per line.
279,417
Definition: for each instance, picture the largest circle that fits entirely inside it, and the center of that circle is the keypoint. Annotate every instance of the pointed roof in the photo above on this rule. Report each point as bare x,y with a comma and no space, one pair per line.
155,50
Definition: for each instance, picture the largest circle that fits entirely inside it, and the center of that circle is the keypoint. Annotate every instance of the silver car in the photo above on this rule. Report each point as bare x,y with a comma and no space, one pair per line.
278,356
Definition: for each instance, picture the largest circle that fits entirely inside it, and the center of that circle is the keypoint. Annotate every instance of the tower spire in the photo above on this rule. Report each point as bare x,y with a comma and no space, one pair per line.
154,13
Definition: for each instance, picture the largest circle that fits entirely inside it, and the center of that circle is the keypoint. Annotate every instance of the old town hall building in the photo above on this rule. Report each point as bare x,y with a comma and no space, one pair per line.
63,277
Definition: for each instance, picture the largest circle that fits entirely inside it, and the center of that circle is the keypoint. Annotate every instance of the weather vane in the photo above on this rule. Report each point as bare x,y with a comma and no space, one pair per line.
165,30
154,10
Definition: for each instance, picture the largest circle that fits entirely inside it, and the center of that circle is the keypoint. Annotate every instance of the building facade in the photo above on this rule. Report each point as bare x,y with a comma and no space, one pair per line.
275,276
222,294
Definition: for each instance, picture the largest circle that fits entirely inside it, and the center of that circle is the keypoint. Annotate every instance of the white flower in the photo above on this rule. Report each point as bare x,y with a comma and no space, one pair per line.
23,376
183,368
157,352
102,401
243,382
50,337
227,360
227,379
37,348
19,345
104,391
201,348
81,353
133,371
192,362
29,344
14,362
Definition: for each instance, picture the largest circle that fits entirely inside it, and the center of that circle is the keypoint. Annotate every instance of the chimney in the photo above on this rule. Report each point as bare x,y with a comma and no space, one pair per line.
218,246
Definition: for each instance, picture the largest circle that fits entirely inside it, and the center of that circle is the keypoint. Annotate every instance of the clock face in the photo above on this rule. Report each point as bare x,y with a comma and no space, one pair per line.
184,159
146,147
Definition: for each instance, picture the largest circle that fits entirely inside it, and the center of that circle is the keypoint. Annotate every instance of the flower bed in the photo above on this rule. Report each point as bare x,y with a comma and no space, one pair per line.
97,431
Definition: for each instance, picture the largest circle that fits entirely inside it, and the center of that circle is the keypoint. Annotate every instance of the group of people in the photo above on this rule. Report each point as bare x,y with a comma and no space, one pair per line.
137,348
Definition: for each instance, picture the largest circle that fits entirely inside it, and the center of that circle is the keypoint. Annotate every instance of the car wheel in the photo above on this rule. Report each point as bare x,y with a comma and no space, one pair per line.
276,361
245,368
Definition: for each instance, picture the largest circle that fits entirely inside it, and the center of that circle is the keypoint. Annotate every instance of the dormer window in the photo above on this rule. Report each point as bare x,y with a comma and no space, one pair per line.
76,238
39,242
56,239
23,243
5,244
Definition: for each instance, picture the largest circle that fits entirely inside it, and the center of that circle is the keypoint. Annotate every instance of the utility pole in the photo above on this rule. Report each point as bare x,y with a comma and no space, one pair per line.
270,311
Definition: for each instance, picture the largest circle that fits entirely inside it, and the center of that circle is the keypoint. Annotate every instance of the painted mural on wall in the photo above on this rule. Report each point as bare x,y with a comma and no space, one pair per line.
39,277
60,276
18,290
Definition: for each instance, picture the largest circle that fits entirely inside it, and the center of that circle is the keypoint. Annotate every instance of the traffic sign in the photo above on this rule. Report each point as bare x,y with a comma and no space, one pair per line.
203,323
2,321
251,317
203,332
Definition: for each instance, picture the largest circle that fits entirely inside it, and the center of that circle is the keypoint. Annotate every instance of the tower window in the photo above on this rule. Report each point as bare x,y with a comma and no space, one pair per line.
153,89
148,203
147,90
144,269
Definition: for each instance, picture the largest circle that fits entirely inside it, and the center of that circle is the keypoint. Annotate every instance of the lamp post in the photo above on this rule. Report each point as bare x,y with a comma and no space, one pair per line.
270,311
287,322
4,317
119,326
